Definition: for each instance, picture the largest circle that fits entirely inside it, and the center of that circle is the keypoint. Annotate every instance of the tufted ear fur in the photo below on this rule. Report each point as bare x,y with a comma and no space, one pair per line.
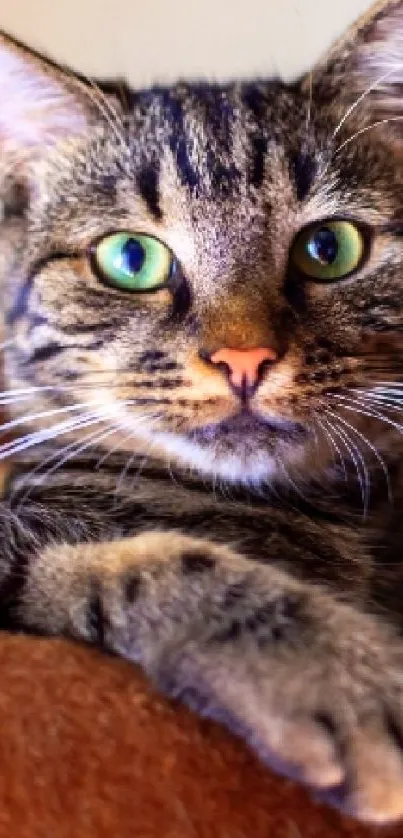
363,72
39,102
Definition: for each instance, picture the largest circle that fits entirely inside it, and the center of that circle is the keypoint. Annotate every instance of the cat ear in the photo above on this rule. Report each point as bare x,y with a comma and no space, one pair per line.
364,70
39,102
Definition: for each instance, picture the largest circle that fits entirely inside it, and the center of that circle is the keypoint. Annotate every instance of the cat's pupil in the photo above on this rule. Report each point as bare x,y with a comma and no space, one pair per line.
133,256
323,246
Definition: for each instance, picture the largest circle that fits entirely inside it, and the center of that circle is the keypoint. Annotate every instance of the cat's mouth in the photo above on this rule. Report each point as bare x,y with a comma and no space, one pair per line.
248,429
245,448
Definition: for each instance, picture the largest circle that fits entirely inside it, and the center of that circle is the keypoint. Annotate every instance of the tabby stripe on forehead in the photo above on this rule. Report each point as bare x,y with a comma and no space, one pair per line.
218,123
303,169
173,112
255,100
148,186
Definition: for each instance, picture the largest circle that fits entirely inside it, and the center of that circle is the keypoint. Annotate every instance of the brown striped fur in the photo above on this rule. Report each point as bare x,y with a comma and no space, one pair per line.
243,547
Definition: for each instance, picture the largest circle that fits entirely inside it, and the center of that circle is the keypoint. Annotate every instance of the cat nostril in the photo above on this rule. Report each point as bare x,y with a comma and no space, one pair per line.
264,367
225,368
205,355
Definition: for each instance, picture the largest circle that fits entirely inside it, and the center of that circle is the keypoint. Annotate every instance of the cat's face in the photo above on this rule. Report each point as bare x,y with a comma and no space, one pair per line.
155,273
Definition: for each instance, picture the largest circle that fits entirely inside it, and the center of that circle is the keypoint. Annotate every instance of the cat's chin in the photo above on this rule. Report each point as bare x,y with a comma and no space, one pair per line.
246,430
244,449
243,466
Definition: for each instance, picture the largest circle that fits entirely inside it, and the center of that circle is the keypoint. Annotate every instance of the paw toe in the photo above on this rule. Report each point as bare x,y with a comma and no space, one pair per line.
376,767
307,752
313,751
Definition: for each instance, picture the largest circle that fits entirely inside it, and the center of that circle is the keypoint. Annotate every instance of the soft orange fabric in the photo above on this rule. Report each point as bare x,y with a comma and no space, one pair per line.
88,750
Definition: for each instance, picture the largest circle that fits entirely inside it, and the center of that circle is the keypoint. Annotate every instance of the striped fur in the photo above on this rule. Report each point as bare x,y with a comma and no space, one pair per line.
249,560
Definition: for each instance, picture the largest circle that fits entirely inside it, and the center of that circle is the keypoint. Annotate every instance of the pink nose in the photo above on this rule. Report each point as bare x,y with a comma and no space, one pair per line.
243,366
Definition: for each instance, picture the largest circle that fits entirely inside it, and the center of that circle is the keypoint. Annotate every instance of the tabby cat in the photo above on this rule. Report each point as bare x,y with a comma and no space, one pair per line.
202,287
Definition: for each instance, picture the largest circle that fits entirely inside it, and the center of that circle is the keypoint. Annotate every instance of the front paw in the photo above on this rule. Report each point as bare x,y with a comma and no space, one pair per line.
320,697
313,685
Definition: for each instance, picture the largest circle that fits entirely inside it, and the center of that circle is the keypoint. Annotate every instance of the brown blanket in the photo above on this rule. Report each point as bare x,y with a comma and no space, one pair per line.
88,750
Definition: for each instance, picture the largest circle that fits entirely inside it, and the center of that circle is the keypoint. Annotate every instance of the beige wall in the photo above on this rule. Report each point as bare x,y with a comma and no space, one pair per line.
152,40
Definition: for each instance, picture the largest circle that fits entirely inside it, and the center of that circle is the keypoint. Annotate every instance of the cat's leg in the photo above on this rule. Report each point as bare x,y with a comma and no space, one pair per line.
314,685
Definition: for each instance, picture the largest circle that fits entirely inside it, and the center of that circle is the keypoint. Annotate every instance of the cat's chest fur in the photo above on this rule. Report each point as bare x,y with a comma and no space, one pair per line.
323,537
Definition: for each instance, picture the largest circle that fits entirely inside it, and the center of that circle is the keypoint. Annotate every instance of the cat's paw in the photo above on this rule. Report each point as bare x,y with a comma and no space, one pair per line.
312,684
321,702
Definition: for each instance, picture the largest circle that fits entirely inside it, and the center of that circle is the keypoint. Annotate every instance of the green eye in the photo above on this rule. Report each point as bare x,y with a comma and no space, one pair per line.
132,262
328,251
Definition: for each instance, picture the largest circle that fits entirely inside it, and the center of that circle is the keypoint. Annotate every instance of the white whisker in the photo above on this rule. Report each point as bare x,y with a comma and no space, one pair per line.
364,131
371,447
291,482
9,396
139,420
126,468
387,384
351,405
358,461
378,400
91,439
71,450
361,98
44,435
378,404
101,102
310,100
32,417
392,390
322,422
130,435
138,471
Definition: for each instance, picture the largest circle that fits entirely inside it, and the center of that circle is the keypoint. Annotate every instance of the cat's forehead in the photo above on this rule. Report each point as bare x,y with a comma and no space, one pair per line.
225,162
218,135
214,107
222,149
